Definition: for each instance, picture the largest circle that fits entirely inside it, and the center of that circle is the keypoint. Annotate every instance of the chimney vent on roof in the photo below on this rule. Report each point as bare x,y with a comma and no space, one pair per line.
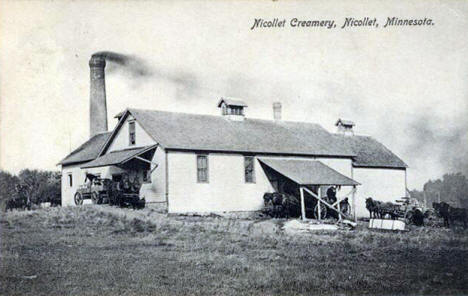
277,110
345,127
233,109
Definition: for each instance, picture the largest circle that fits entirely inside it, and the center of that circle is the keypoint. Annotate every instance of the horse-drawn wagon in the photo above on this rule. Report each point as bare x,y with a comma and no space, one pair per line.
405,208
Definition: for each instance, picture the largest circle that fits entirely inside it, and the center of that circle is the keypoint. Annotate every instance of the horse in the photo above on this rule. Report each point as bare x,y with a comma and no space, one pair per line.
442,210
436,207
280,204
373,207
273,203
388,208
458,214
450,214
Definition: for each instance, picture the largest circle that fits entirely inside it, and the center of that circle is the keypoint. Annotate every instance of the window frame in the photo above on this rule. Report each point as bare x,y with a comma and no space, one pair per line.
207,178
253,180
70,179
131,123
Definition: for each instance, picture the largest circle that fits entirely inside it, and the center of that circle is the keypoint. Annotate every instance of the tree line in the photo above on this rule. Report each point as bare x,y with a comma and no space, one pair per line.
36,185
451,188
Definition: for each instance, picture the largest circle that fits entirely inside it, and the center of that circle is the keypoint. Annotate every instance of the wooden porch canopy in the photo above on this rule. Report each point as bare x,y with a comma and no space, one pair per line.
120,157
312,172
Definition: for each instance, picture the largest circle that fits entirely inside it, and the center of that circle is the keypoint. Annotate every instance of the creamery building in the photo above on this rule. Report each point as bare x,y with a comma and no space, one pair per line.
205,163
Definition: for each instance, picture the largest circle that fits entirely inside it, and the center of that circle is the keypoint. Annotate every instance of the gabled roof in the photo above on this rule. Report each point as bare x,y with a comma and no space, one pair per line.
232,102
344,122
216,133
89,150
307,172
371,153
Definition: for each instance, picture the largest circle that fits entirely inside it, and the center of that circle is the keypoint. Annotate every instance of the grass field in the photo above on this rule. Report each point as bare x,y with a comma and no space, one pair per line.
101,250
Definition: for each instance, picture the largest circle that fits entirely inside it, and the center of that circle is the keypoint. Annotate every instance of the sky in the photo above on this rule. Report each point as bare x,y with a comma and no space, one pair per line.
405,86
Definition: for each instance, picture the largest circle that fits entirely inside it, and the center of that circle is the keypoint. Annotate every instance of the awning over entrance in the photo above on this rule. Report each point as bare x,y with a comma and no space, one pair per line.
119,157
307,172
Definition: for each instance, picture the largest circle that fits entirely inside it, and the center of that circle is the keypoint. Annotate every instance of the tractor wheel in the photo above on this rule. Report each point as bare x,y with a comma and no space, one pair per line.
95,198
78,199
323,211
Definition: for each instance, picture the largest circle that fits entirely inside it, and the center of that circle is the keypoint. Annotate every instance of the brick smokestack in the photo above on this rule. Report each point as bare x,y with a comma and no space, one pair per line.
97,96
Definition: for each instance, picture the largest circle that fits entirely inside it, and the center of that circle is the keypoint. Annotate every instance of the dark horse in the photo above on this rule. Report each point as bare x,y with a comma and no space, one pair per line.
280,204
373,206
450,214
379,210
388,208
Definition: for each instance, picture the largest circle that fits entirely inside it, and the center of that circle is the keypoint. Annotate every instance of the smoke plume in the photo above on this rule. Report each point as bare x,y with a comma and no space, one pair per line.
131,64
138,70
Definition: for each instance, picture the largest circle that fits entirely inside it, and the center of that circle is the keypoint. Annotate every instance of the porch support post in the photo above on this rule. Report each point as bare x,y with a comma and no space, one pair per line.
339,212
406,185
303,213
353,196
319,210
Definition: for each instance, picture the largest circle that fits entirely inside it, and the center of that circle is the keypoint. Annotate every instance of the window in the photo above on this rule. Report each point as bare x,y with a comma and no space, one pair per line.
202,168
131,132
70,180
249,167
236,110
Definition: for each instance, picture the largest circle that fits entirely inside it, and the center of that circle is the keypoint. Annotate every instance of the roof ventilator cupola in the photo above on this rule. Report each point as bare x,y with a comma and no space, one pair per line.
345,127
233,109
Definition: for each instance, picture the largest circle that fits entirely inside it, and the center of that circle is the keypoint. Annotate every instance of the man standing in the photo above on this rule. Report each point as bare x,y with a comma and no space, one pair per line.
331,194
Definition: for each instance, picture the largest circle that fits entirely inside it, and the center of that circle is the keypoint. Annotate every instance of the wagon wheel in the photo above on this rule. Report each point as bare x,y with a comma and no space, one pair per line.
409,217
323,211
95,198
78,199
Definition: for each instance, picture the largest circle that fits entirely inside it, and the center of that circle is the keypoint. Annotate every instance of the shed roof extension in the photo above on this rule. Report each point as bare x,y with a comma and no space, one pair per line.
215,133
89,150
308,172
117,157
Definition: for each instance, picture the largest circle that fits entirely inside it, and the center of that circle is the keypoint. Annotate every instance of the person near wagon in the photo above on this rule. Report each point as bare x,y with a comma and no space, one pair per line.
124,184
331,194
